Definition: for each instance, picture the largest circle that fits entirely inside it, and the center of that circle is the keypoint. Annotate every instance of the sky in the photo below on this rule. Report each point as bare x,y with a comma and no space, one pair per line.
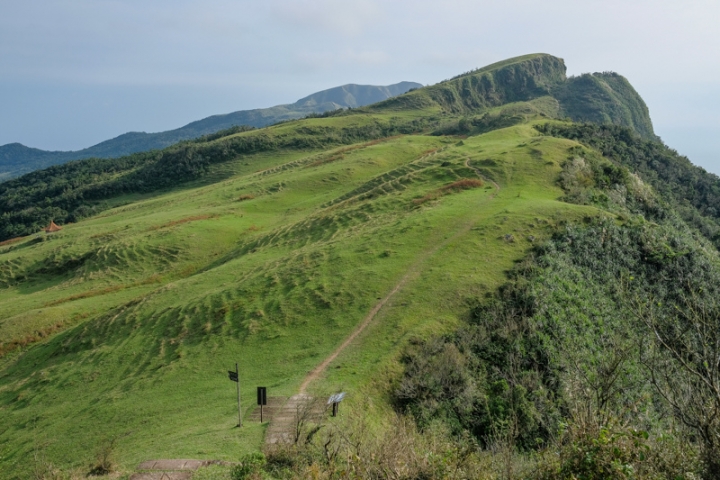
76,72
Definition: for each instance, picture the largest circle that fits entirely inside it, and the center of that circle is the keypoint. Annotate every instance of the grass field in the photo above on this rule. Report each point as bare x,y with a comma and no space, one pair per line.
123,325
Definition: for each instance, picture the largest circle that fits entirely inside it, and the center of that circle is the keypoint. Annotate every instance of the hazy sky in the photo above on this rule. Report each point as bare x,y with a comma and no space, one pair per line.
76,72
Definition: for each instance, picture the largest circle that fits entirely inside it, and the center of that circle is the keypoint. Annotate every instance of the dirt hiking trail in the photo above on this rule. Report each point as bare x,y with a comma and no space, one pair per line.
282,426
412,272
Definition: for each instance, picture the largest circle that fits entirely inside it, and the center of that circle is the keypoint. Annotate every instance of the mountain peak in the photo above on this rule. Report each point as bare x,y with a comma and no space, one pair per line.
597,98
353,95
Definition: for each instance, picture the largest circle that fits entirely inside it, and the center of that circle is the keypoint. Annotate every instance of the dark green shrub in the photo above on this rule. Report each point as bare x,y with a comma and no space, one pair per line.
250,464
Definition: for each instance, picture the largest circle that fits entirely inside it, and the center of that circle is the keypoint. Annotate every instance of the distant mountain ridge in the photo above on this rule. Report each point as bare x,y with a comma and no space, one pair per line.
17,159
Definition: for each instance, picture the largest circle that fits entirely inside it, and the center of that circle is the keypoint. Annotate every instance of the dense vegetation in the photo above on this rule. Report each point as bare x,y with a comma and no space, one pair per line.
604,98
606,329
693,192
515,80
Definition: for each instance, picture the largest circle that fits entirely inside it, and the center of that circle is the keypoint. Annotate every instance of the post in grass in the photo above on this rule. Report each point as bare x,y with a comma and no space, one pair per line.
235,377
261,400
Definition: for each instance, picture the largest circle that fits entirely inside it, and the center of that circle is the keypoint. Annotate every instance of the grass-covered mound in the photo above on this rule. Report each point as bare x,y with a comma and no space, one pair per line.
270,247
272,268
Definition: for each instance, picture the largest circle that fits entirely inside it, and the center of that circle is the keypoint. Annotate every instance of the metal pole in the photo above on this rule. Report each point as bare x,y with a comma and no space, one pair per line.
238,392
261,412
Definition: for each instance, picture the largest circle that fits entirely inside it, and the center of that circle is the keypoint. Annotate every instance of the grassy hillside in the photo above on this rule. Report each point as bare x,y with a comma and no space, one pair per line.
268,248
518,79
76,190
605,98
158,298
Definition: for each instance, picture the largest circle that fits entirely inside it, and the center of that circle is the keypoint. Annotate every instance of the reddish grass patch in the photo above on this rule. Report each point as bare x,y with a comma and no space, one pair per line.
43,333
245,196
194,218
459,186
91,293
340,154
322,161
155,278
29,339
10,241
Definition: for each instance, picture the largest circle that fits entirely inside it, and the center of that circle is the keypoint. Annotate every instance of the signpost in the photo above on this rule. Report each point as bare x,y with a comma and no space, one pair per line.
261,399
335,400
235,377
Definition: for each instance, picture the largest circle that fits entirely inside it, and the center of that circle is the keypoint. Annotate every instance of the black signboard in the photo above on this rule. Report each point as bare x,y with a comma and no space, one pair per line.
262,395
233,376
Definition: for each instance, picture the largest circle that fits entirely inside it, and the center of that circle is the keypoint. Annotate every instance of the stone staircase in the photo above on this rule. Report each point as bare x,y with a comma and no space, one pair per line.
298,409
177,469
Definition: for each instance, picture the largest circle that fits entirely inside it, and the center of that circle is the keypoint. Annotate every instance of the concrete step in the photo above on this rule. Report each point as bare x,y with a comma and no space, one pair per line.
173,464
161,476
282,427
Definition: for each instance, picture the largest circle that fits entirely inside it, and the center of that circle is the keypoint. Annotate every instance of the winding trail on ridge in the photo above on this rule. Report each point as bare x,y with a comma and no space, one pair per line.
412,272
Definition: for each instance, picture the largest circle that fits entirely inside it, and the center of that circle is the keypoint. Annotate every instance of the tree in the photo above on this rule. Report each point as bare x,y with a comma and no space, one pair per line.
683,358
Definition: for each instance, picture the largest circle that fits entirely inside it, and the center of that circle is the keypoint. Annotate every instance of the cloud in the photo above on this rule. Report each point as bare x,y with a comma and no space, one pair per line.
339,17
328,60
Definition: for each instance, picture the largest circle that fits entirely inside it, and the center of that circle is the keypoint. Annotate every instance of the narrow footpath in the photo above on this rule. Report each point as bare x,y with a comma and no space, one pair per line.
282,425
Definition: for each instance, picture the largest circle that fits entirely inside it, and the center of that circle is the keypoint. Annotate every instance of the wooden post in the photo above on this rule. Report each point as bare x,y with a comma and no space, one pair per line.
238,393
261,400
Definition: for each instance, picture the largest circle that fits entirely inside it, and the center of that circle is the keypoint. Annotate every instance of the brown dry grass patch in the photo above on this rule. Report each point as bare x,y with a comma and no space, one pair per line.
155,278
88,294
43,333
340,154
194,218
31,338
10,241
459,186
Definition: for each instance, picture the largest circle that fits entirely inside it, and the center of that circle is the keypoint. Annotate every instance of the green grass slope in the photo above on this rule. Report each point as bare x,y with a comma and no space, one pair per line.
517,79
163,295
605,98
267,248
69,192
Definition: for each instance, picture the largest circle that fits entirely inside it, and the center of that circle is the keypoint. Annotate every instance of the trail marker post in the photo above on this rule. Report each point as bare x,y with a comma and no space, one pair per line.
335,400
235,377
262,399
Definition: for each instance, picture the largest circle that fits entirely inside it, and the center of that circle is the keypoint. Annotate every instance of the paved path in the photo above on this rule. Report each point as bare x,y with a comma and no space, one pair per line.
177,469
299,409
274,404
